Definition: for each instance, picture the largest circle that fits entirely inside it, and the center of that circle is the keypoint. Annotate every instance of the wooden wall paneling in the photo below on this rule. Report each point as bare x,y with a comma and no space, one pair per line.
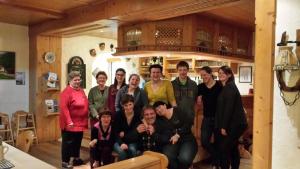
216,35
189,30
121,39
47,127
265,14
148,33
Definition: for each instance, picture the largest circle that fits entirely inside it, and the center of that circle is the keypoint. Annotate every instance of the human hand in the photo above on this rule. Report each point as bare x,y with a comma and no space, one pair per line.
150,129
70,125
174,139
124,146
93,143
141,128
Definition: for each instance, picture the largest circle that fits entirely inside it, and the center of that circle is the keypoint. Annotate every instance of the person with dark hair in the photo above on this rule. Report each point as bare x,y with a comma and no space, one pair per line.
208,92
158,89
73,120
98,96
140,97
102,139
230,120
182,147
185,89
151,131
126,123
119,82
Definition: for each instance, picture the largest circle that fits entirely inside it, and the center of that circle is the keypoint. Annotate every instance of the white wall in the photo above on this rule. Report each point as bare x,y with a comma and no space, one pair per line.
15,97
80,46
286,120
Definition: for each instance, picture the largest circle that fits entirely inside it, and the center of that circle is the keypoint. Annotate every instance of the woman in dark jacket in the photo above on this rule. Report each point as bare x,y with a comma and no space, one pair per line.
182,147
125,124
230,120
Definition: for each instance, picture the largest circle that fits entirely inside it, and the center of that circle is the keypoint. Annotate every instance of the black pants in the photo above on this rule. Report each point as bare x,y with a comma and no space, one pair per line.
71,143
228,146
102,154
207,130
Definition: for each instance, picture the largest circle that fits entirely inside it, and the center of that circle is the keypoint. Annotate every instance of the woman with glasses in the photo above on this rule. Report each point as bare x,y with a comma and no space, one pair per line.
73,120
114,88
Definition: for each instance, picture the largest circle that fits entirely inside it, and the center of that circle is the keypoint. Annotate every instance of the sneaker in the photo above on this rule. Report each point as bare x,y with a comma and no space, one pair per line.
77,162
66,165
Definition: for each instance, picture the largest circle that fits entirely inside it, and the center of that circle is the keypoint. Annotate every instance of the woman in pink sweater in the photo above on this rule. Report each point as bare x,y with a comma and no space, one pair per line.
73,120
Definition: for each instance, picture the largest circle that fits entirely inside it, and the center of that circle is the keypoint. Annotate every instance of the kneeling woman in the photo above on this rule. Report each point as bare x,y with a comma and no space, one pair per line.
182,148
103,139
126,123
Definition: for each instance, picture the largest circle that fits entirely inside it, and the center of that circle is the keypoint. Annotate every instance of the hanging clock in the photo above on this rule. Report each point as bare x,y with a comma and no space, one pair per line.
49,57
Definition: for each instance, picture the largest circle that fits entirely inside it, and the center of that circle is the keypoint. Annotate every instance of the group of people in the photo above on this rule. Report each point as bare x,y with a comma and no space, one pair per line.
128,120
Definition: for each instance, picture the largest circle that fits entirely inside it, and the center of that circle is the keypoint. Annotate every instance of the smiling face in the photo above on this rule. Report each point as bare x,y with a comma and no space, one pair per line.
223,77
182,72
161,109
149,116
205,76
155,74
128,107
120,76
75,82
134,82
101,80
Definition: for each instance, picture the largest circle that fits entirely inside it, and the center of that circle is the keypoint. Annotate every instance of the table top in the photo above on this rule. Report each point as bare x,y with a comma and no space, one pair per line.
22,160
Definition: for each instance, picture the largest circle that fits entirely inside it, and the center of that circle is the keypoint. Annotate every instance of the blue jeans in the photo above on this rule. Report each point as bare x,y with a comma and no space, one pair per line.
125,154
181,154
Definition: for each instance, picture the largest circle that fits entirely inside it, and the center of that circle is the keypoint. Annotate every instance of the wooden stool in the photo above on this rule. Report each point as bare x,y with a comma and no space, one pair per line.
5,130
24,121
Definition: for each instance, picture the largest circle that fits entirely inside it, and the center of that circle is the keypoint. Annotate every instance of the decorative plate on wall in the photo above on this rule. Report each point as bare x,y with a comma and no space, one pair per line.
49,57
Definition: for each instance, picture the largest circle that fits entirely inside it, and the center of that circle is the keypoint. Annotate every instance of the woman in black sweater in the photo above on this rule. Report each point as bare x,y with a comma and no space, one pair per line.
182,147
230,120
126,123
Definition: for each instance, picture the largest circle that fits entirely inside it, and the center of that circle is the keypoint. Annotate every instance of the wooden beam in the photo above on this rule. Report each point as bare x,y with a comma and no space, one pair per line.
265,12
130,10
50,12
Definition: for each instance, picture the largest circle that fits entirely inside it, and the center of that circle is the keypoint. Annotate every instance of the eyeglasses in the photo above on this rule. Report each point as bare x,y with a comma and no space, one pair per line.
120,74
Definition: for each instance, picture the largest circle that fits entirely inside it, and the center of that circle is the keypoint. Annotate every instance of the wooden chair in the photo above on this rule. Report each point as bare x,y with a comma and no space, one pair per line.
24,140
23,121
5,130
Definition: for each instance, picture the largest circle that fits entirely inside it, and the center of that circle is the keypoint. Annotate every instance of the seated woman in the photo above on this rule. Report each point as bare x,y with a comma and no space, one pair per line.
103,139
126,123
182,147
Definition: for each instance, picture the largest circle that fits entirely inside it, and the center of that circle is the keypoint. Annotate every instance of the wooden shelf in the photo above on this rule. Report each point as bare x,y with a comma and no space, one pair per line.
26,128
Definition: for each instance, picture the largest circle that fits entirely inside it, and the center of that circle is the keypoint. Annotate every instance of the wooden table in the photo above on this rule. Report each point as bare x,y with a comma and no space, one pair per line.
23,160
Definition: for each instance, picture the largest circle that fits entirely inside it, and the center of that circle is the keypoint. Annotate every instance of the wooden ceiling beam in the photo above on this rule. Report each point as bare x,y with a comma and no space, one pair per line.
51,13
129,10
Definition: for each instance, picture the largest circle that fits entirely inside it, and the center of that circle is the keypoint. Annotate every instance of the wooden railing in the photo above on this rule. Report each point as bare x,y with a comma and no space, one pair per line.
180,48
149,160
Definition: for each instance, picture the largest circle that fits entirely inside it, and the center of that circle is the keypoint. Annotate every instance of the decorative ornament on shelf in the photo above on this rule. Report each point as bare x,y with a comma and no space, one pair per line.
49,57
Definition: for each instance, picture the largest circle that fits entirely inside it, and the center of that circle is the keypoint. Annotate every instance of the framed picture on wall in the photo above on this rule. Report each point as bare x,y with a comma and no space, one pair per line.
7,65
245,74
